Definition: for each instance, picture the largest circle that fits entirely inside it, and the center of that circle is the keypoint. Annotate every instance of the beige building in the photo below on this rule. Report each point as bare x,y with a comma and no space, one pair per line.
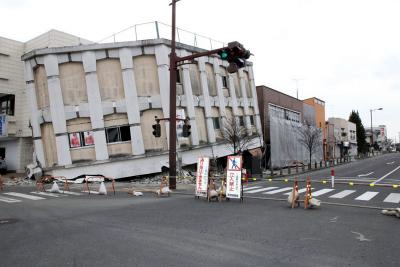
92,107
15,134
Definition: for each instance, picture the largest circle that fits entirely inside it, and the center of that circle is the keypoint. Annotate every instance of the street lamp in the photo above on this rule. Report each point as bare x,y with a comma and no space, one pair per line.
372,133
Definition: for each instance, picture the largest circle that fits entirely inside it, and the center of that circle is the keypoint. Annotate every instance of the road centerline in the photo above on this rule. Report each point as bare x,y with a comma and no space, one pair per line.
386,175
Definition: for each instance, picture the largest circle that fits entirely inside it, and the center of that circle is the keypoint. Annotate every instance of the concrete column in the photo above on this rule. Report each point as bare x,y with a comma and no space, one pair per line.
57,110
220,94
187,87
95,108
232,93
207,103
132,105
242,83
162,58
34,114
255,101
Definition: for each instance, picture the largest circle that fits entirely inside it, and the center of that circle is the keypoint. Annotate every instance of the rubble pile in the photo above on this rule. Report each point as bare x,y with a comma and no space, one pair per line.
392,212
156,180
13,180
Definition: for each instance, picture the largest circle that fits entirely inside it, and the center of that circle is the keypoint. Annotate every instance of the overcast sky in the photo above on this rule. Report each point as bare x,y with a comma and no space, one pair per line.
345,52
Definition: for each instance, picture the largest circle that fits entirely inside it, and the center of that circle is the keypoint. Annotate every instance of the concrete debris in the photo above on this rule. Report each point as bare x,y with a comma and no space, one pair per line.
392,212
14,180
156,180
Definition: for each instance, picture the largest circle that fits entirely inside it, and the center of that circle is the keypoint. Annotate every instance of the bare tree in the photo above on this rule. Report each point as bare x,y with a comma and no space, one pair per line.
236,135
310,138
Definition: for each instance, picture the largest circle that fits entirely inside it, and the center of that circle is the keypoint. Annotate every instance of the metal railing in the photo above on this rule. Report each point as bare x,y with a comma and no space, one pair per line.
157,30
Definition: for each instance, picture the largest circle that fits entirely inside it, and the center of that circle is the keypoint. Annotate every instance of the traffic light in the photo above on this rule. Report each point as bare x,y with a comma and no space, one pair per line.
157,130
186,129
236,55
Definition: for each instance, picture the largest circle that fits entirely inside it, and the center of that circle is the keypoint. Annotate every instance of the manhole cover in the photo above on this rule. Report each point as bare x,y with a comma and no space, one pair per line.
7,221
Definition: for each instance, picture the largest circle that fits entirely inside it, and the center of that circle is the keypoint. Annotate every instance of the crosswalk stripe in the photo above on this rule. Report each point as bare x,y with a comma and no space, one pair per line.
392,198
321,192
15,194
91,192
367,196
251,187
343,194
9,200
46,194
278,190
261,189
300,191
69,193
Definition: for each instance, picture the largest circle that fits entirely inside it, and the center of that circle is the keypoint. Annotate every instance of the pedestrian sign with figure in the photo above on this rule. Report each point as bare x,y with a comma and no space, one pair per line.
234,177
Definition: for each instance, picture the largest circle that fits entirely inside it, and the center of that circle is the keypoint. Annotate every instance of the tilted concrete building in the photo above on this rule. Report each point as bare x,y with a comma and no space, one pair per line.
92,107
15,134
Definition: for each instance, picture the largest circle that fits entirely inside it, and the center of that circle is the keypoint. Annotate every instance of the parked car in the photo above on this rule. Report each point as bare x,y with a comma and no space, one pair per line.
3,166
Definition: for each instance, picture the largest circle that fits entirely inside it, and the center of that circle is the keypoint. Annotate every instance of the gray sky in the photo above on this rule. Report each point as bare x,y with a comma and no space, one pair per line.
345,52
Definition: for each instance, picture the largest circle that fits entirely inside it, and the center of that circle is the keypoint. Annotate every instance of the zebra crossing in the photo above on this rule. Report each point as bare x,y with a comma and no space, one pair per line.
16,197
330,193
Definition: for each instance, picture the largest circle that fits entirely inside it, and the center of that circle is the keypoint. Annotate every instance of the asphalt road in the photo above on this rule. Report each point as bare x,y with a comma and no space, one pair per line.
383,169
122,230
372,183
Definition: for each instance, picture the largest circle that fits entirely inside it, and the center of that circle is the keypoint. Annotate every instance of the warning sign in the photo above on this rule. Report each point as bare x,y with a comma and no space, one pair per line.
234,177
202,176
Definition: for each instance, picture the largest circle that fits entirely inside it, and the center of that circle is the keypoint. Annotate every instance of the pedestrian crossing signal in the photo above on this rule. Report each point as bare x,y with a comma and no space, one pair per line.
157,130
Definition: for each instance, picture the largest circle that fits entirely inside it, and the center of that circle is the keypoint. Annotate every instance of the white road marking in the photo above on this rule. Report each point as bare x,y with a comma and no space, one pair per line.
321,192
389,163
363,175
9,200
392,198
91,192
278,190
386,175
251,187
15,194
343,194
46,194
300,191
260,190
69,193
367,196
361,237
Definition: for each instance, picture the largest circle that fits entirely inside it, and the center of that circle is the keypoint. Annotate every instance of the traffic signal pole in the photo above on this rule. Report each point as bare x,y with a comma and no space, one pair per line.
237,51
172,103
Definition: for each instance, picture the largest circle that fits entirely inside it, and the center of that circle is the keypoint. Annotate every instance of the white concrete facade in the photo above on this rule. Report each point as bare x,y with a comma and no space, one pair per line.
16,141
120,122
344,137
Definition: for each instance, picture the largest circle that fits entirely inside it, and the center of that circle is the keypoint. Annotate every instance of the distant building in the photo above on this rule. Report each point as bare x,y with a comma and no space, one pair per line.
92,107
15,134
379,136
319,119
341,138
281,117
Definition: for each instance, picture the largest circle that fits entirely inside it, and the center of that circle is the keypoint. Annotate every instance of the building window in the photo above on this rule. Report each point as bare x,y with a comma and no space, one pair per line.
224,82
178,76
252,120
81,139
118,134
7,105
241,121
216,123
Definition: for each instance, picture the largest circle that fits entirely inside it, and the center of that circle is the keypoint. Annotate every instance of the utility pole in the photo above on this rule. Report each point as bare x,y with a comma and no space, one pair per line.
172,103
234,53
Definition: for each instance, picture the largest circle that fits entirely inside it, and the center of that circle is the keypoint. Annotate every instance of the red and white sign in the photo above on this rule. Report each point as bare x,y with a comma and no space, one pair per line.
234,177
202,176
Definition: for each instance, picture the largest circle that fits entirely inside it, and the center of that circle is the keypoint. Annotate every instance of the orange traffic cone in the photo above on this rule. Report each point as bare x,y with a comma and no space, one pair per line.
308,195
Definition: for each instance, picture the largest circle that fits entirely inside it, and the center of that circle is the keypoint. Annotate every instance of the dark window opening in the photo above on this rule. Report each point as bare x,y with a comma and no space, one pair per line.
7,105
216,123
178,76
224,82
118,134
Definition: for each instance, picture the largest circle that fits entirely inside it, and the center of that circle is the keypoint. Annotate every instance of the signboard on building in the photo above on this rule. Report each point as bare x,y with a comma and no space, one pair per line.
234,177
3,125
202,176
